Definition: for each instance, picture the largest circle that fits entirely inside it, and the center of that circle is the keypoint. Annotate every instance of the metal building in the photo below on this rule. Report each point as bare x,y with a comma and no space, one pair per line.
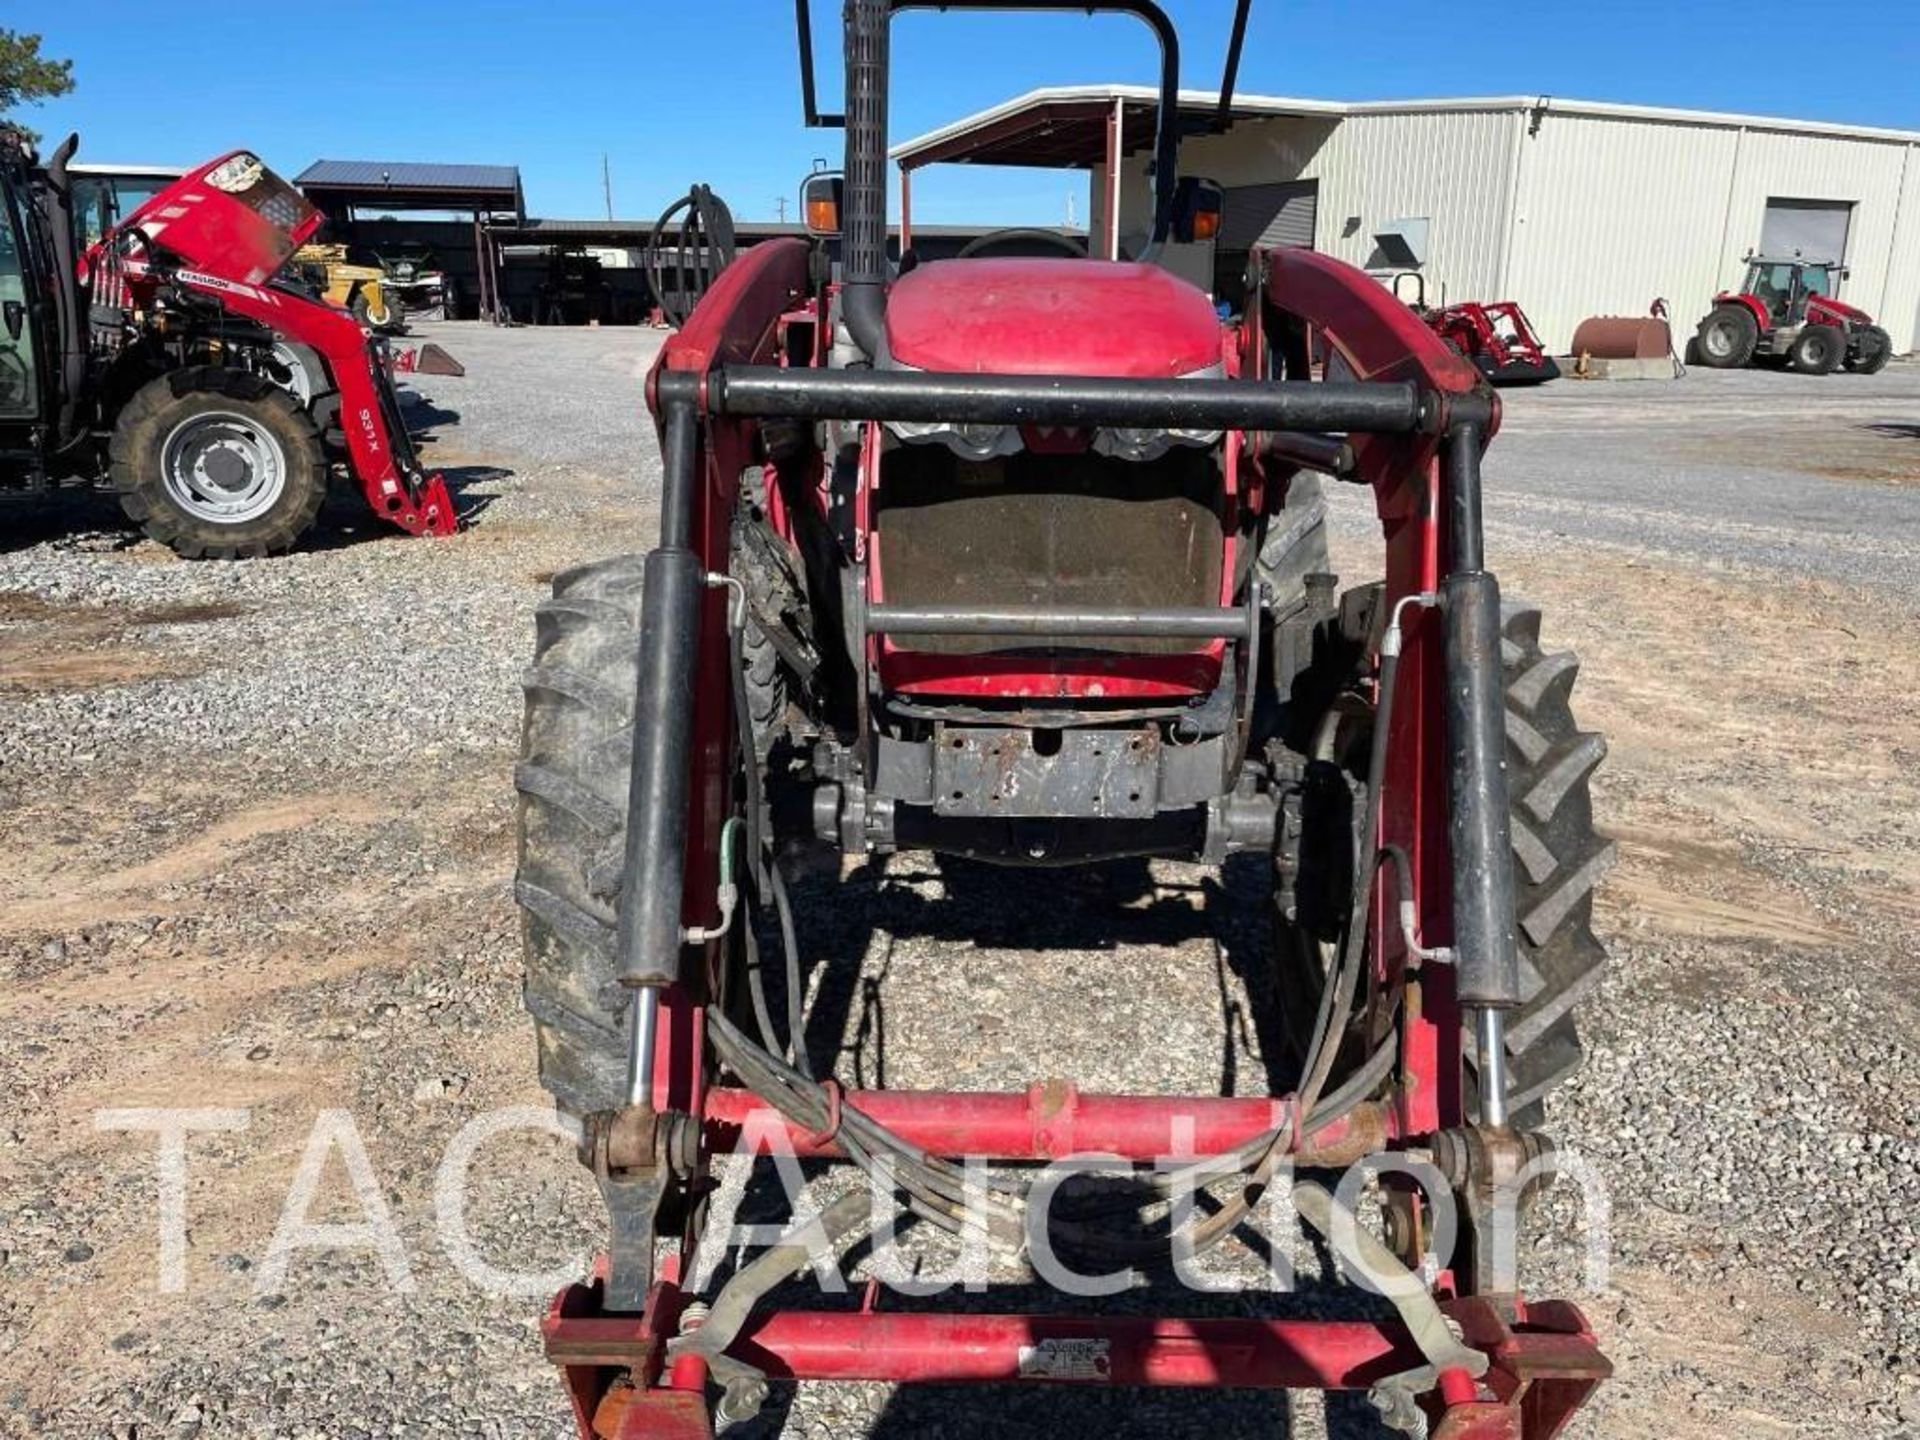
1571,207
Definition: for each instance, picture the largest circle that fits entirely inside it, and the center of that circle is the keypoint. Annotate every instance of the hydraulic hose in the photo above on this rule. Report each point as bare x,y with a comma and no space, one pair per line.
941,1192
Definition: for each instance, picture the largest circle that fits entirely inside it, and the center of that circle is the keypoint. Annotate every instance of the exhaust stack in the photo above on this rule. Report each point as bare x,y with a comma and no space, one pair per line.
863,297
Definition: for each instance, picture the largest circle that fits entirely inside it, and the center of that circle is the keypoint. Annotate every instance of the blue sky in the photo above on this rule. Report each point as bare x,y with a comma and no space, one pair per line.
708,89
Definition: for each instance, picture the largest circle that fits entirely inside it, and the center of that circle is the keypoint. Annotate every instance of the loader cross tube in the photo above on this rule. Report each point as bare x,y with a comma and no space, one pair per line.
773,392
1166,622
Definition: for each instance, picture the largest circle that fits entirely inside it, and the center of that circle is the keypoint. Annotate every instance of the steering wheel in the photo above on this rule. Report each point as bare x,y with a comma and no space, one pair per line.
1022,235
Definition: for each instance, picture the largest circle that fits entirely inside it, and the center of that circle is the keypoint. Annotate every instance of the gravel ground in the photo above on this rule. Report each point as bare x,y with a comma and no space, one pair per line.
261,823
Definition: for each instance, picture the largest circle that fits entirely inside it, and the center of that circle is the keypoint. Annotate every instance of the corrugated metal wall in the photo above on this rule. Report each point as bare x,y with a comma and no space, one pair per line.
1453,167
1576,215
1613,212
1902,313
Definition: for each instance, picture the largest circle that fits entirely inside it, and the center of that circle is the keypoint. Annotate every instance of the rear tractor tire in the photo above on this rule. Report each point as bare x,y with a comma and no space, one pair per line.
1727,338
1818,350
218,464
1558,858
1871,352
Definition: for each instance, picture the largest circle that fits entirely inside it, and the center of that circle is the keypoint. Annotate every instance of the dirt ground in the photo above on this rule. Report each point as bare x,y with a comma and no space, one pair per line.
220,898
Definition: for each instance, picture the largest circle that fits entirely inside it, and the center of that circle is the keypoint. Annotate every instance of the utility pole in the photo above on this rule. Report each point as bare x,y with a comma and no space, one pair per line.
606,183
780,207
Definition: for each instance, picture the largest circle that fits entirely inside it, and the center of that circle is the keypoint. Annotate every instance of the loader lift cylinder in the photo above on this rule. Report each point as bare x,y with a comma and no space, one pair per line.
673,581
1488,969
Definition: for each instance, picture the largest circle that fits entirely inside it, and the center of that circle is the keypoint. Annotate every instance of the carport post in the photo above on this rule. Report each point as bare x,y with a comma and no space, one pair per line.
480,264
1116,123
906,207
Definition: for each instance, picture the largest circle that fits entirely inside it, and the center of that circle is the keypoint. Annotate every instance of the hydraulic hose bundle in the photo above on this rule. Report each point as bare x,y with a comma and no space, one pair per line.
684,259
955,1200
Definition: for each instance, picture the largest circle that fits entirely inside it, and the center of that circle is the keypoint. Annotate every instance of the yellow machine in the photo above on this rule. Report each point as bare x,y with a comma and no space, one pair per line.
352,287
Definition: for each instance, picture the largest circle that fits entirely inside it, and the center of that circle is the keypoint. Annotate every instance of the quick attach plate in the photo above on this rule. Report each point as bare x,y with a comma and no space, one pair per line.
1026,773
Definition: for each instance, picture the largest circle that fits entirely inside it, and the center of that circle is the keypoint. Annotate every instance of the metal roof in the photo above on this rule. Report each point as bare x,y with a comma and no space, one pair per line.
408,175
1062,125
145,172
409,185
640,232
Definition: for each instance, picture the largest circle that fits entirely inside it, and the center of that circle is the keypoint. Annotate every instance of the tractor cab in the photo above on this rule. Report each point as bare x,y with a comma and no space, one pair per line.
19,362
41,309
1785,286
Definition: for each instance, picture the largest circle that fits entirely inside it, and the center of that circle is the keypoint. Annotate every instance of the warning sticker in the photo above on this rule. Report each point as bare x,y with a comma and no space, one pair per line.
1066,1360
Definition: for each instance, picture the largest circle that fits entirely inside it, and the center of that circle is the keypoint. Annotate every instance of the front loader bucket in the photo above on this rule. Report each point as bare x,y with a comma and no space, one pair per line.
428,359
1519,370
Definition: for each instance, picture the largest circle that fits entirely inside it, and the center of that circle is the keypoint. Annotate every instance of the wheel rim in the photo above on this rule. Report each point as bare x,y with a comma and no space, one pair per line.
289,372
1719,340
223,468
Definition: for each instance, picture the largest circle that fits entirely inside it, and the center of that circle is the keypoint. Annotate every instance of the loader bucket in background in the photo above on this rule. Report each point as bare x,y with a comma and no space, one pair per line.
428,359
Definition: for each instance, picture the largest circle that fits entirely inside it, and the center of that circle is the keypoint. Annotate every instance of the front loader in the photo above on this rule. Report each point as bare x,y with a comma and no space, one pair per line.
1016,559
178,360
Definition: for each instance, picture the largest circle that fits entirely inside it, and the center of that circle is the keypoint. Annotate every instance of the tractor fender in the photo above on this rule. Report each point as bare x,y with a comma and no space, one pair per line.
1753,304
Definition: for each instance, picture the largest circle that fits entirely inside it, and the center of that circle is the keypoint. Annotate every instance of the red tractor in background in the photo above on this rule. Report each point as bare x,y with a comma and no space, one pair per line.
1017,559
1786,309
177,358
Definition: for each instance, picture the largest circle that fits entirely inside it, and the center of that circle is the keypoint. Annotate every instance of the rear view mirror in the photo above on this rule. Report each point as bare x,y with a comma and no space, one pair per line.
1196,210
820,203
16,318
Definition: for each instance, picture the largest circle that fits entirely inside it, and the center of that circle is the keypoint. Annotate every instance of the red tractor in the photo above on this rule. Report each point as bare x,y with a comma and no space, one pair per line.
176,358
1787,309
1017,559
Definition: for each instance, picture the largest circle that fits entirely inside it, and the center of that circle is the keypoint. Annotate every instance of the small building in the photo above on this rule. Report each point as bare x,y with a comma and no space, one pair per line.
1571,207
372,205
569,272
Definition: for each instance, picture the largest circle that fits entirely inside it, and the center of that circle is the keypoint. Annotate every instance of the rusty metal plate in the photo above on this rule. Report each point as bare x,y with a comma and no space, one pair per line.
1033,773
